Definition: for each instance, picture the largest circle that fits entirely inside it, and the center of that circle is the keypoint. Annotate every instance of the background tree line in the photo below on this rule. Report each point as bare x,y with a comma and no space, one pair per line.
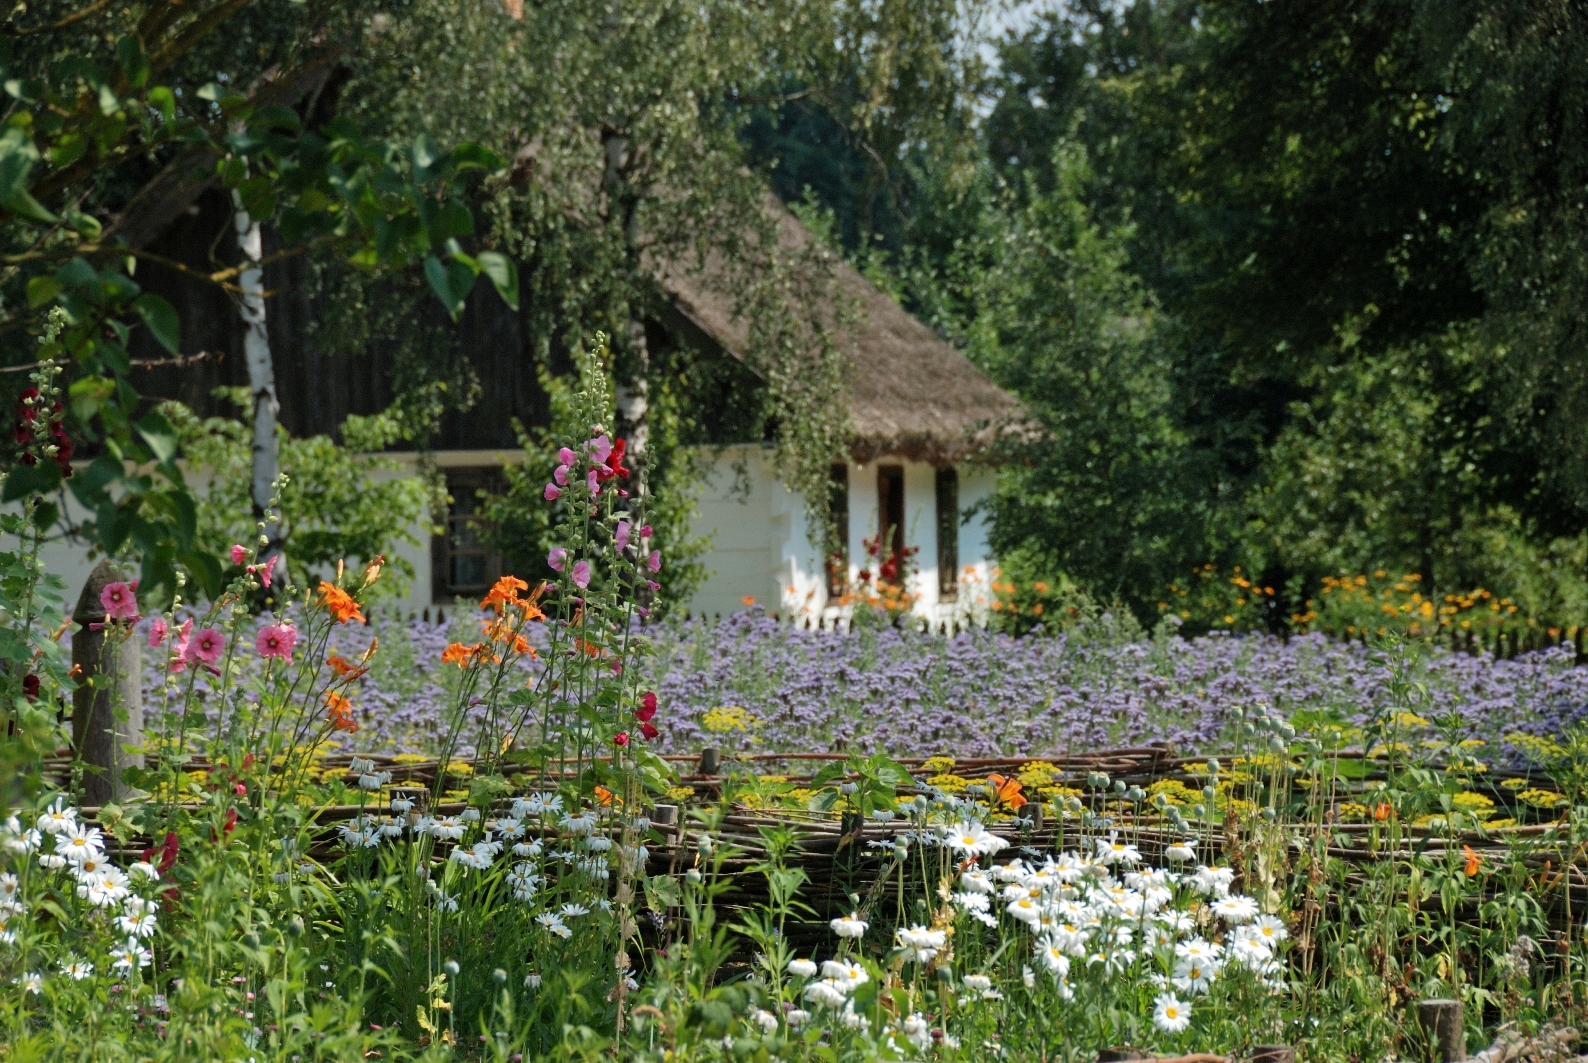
1292,286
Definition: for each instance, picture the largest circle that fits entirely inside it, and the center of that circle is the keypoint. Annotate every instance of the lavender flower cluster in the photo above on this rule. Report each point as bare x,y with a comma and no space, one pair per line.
975,693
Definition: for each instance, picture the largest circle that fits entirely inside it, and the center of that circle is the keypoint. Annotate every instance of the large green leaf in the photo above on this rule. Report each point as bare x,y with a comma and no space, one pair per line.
503,275
17,156
161,436
24,480
161,319
451,281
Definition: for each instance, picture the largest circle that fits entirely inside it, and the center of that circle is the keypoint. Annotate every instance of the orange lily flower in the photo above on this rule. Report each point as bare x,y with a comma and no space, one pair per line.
1007,791
339,603
1473,861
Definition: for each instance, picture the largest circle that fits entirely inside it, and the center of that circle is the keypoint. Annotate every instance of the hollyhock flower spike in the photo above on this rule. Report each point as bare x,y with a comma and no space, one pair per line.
557,559
581,574
239,553
119,601
179,645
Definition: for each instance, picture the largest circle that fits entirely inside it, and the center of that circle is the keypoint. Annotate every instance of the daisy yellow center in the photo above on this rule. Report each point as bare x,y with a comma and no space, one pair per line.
1171,1013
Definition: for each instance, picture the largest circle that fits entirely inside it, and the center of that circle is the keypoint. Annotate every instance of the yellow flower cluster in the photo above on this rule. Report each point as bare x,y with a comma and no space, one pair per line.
728,719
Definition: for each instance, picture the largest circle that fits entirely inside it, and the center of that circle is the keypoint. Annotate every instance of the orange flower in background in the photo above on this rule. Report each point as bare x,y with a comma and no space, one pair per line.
1473,861
339,603
340,712
1382,810
503,592
1007,791
604,796
344,667
588,648
457,653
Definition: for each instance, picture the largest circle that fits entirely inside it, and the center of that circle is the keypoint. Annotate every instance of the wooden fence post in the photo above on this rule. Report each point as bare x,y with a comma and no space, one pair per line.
1443,1022
107,687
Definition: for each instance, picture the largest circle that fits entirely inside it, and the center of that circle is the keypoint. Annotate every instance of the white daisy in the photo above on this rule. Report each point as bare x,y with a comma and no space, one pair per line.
77,970
446,828
32,982
1235,909
973,839
1171,1015
802,968
1269,928
58,818
81,844
851,926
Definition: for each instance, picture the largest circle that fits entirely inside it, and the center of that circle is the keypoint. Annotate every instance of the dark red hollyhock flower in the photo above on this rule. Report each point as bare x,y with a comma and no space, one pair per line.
167,851
614,463
30,686
647,707
621,738
26,415
649,731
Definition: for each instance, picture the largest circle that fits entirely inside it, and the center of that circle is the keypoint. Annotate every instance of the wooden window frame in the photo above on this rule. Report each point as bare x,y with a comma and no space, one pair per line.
463,482
837,562
948,519
890,517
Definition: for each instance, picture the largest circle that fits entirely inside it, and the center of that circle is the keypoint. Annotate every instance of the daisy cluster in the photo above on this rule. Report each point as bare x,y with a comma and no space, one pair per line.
478,844
70,852
1100,913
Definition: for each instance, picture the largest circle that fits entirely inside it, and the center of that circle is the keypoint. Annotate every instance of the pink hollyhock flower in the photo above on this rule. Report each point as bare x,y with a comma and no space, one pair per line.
594,483
119,601
654,562
645,532
566,456
276,640
620,538
621,738
266,570
239,554
557,559
649,731
206,646
581,574
179,645
553,492
560,474
158,630
600,449
647,707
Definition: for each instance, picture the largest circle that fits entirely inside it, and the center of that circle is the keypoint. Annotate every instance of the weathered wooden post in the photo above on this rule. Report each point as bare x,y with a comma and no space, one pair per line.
1443,1022
710,760
1273,1054
108,687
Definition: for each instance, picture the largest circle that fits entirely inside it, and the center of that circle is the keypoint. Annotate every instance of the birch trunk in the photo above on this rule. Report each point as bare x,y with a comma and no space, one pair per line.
633,395
261,375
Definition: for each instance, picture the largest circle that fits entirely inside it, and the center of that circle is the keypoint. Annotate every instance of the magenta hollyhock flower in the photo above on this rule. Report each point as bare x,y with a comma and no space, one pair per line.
276,640
553,492
645,532
654,562
566,456
620,538
265,571
600,449
594,483
560,474
119,601
206,646
158,630
239,554
557,559
581,574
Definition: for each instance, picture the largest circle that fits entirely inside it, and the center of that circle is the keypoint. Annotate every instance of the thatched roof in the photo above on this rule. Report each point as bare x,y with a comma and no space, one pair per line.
910,394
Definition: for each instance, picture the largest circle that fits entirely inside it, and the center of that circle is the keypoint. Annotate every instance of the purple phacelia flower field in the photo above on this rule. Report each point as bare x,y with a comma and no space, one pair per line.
982,693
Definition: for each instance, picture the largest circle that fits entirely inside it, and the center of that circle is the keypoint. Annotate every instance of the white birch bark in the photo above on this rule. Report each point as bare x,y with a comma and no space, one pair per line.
261,374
